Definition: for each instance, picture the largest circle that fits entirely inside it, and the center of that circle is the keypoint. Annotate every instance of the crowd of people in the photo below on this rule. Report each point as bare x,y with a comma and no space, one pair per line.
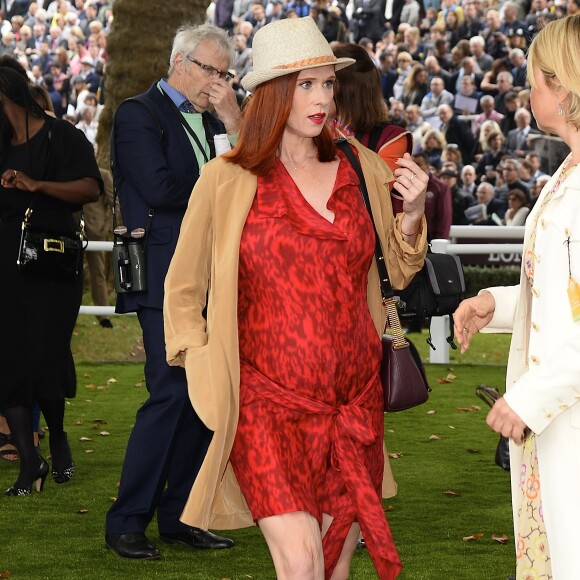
453,73
62,45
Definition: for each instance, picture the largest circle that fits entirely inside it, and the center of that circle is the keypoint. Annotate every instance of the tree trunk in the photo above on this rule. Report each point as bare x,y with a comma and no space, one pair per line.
139,46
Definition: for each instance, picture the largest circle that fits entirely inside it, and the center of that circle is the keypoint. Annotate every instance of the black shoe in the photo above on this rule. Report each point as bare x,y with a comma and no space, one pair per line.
196,538
105,323
38,481
135,545
63,466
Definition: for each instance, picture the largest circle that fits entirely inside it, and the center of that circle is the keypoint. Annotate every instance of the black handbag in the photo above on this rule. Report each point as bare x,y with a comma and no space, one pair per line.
402,372
48,253
436,290
489,396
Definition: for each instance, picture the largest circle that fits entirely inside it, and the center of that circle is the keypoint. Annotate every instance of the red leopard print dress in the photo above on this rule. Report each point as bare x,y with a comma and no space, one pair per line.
310,429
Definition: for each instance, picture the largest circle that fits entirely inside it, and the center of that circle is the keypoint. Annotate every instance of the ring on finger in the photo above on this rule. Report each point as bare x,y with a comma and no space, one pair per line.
413,175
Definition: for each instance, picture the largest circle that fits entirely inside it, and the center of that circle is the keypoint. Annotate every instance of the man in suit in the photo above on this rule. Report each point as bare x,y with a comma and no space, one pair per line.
159,146
517,139
467,69
388,75
485,195
456,131
520,68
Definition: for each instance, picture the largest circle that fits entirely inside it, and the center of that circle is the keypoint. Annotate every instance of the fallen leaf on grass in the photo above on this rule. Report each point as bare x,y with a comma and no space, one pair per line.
104,433
90,387
431,412
503,539
448,379
395,455
86,375
389,431
83,511
5,574
99,421
88,401
78,422
473,451
469,409
113,498
138,385
89,450
102,388
85,439
451,427
473,537
434,438
389,508
451,492
111,380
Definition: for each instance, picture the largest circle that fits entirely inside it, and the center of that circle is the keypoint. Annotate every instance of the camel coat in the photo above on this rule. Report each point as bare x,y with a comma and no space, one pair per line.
543,374
205,263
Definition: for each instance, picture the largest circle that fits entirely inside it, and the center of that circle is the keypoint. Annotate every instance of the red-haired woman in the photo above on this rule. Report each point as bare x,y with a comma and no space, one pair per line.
278,245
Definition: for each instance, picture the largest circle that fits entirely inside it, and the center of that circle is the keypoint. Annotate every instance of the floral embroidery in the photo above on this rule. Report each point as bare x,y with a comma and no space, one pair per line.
532,487
532,549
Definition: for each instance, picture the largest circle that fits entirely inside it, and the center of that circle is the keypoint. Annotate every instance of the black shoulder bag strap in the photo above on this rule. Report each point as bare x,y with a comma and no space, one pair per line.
113,161
386,288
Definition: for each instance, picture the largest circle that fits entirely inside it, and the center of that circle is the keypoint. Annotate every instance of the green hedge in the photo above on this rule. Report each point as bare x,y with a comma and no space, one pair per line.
478,277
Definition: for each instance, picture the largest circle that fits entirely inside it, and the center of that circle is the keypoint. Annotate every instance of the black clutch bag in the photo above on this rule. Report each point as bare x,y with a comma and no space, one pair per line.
49,253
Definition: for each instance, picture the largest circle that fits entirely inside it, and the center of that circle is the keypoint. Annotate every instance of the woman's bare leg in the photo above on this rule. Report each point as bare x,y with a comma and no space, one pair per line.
295,543
342,569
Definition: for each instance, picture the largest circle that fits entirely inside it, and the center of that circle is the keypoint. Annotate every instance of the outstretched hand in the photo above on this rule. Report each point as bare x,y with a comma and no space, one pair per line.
471,316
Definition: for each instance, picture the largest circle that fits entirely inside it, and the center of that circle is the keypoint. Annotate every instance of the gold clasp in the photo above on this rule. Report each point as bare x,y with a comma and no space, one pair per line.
51,245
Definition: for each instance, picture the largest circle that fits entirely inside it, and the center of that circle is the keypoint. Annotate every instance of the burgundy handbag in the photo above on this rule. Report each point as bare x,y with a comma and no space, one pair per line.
402,372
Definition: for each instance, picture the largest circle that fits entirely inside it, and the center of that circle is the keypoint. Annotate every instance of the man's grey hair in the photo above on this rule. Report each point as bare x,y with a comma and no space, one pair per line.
517,52
477,40
486,98
512,161
523,112
507,76
485,185
189,36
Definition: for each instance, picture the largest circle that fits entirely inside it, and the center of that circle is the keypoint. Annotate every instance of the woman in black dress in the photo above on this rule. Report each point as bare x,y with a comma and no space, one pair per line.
48,165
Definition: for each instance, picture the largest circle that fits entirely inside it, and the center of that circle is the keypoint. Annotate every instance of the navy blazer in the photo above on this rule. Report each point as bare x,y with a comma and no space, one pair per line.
154,172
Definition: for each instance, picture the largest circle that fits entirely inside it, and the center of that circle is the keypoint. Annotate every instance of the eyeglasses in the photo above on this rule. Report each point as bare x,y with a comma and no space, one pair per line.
210,71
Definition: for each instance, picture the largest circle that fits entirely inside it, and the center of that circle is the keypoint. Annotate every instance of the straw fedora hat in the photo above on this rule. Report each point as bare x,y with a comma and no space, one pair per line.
287,46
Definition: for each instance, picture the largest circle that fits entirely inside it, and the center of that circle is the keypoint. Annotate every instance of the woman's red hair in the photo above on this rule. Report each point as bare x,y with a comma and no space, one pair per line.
263,124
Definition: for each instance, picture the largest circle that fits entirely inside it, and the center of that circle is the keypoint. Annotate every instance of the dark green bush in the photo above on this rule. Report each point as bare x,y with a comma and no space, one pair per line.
478,277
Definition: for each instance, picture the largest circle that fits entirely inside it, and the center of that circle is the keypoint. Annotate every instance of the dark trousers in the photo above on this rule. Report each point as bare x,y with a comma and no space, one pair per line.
166,447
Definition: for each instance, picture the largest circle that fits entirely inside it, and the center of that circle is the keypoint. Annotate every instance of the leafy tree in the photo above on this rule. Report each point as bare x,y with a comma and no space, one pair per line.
139,46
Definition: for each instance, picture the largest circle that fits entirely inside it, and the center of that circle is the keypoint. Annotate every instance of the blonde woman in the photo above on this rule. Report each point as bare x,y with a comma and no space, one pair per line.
540,412
433,144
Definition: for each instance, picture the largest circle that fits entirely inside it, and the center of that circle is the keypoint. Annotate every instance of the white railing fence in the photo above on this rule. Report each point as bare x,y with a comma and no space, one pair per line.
440,324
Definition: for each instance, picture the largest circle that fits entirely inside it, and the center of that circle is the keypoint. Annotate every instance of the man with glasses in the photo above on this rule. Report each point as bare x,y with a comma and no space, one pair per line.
510,169
160,141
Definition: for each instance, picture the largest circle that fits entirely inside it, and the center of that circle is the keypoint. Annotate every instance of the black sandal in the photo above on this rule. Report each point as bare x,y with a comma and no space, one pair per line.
6,439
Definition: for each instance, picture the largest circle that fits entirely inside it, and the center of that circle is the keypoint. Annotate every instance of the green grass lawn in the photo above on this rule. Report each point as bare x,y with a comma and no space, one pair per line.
449,487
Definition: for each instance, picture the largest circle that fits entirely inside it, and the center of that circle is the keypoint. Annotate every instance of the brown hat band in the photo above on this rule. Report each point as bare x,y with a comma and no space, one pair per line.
308,62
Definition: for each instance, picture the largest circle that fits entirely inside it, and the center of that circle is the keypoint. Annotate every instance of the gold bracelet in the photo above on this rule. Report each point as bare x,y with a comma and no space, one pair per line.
411,235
